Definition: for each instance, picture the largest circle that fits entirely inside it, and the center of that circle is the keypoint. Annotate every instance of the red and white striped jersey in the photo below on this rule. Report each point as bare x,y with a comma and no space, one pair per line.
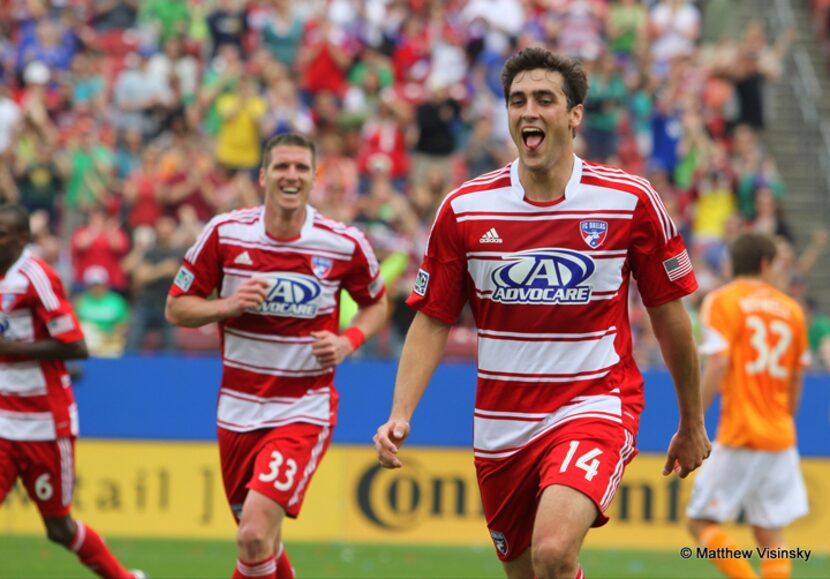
36,401
548,285
270,375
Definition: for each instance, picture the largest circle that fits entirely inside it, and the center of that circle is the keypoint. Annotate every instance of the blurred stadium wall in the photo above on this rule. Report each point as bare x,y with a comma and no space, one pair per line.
148,465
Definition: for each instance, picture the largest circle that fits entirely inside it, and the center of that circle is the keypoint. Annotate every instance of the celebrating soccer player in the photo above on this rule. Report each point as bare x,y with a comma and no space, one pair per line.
38,415
755,338
278,269
543,251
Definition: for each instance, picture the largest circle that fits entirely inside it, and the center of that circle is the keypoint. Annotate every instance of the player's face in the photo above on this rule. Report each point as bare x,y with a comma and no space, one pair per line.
288,177
12,242
540,122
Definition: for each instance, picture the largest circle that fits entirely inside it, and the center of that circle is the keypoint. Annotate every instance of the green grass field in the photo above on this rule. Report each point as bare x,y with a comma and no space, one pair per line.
34,557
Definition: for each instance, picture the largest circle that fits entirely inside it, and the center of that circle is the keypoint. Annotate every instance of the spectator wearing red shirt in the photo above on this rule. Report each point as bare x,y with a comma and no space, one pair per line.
102,241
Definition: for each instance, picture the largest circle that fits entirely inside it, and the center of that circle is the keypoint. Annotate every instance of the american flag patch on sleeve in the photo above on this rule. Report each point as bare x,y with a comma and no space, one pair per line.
678,266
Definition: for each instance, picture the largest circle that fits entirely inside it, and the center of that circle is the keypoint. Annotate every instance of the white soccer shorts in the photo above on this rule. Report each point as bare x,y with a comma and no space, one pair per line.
767,486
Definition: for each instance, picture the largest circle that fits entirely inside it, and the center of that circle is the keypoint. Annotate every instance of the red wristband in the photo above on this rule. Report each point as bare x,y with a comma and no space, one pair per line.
355,336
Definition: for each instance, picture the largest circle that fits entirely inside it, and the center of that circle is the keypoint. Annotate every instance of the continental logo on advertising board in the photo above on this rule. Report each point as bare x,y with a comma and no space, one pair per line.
175,490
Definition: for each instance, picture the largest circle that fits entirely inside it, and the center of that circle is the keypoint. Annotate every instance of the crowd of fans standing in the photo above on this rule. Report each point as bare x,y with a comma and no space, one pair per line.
126,125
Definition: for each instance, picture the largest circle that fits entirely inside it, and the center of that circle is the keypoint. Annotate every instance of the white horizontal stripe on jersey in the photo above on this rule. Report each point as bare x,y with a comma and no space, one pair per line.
548,356
546,336
265,354
246,273
26,425
275,371
607,275
274,248
243,412
547,378
546,217
498,436
596,254
22,379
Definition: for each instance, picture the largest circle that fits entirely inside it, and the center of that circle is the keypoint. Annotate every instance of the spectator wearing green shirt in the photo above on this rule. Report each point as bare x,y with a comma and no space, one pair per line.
103,314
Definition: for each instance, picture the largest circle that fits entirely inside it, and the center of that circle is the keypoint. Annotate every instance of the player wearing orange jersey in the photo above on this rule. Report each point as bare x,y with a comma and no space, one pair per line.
756,342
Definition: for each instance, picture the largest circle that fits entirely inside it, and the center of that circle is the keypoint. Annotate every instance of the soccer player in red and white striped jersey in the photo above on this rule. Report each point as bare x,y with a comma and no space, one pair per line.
278,270
38,416
543,251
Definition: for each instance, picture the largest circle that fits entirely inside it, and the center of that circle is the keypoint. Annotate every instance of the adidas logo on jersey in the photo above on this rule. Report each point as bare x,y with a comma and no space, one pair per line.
244,259
491,237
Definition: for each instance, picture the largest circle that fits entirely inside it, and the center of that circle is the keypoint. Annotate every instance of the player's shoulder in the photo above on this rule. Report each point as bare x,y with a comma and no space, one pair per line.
478,188
492,181
788,302
245,216
34,268
336,233
610,177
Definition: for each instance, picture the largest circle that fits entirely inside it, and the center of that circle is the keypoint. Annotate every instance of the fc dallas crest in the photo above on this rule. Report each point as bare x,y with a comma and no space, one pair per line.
593,231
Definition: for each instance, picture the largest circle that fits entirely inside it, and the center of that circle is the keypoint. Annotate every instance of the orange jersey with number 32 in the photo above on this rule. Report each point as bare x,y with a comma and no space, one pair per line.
763,332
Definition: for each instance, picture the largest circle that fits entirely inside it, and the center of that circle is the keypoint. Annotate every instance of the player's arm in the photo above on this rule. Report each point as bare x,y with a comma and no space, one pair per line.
690,445
422,352
330,349
191,311
45,349
714,371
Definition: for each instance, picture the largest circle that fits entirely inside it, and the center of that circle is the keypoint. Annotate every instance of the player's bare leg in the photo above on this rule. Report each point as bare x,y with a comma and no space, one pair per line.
563,518
260,528
774,539
519,568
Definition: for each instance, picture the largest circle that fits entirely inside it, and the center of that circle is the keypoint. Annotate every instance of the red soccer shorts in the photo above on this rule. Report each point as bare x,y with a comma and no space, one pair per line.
277,463
587,455
47,469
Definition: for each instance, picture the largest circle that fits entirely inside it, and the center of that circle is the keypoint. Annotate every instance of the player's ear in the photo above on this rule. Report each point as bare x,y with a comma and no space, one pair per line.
575,116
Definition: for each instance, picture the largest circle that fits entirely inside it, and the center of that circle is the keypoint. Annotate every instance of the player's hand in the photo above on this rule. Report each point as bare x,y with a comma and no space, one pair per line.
251,293
688,448
388,439
330,349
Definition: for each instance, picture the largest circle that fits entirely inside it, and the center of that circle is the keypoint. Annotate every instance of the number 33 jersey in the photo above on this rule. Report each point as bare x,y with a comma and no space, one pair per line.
763,333
270,376
547,284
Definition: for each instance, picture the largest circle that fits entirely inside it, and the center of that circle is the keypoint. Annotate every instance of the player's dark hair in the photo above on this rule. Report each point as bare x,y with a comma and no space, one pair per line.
19,215
749,250
576,81
291,140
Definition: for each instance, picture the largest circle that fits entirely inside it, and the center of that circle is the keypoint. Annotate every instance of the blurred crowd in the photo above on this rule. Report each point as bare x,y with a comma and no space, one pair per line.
126,125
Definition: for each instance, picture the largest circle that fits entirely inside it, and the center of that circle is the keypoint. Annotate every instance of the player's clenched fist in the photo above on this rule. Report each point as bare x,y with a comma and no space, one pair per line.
251,293
388,440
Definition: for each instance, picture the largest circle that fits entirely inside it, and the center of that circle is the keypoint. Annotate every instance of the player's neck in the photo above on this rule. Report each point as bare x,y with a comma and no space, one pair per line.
282,224
549,184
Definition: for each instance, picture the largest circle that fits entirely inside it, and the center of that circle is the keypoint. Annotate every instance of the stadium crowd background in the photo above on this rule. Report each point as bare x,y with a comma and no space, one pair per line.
126,125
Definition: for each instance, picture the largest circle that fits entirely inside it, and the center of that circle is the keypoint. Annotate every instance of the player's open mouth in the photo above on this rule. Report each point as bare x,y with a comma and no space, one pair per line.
532,137
291,191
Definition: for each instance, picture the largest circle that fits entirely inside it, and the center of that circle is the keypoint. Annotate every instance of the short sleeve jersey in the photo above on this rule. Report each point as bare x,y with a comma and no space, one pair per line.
548,287
763,333
270,376
36,401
